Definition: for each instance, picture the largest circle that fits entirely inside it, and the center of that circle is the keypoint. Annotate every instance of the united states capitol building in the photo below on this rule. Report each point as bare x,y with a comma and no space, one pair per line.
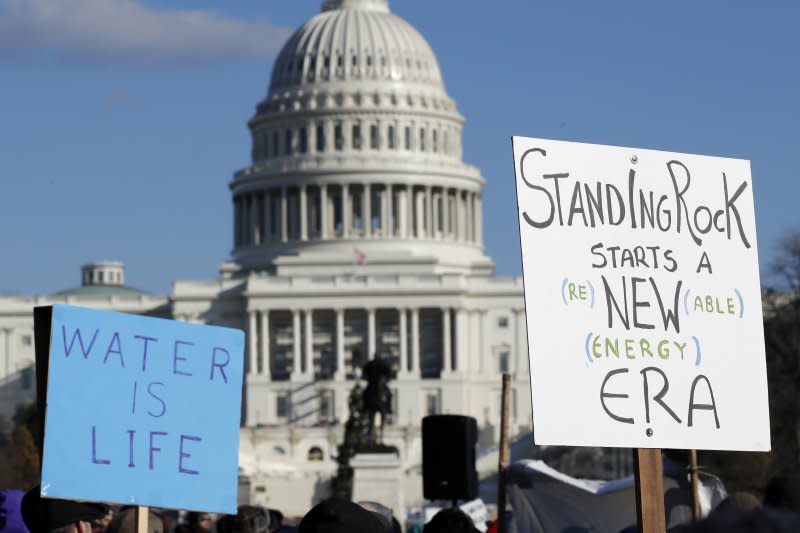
357,233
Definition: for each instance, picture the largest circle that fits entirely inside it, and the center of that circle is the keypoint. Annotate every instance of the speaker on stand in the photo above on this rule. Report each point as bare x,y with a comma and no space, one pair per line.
448,457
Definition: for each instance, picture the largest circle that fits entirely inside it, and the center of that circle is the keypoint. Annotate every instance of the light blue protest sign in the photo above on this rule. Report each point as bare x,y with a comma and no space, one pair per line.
142,411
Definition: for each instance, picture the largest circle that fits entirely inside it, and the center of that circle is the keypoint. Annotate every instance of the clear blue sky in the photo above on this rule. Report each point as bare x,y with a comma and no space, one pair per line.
122,121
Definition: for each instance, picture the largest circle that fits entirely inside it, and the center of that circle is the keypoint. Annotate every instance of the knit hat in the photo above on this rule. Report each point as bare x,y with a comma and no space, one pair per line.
43,514
340,516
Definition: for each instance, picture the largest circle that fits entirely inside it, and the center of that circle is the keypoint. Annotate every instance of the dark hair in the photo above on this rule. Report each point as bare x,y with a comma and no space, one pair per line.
248,519
783,492
451,520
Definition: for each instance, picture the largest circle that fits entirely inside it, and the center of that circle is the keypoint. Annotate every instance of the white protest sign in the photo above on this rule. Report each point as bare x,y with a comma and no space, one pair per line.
642,297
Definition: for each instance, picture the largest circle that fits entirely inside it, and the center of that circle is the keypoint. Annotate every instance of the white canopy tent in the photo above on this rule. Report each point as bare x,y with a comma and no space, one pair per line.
545,500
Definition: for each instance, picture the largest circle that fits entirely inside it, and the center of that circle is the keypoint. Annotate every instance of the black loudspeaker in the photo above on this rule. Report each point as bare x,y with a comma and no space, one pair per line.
448,457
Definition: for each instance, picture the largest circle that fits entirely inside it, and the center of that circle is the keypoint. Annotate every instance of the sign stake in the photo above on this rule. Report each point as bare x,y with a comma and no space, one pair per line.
503,456
695,482
142,515
649,490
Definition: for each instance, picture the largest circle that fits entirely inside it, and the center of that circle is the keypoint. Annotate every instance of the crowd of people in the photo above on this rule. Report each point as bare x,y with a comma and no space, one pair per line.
29,513
22,512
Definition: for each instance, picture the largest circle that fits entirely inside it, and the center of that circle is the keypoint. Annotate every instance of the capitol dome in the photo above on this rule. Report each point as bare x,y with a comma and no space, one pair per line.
355,40
357,153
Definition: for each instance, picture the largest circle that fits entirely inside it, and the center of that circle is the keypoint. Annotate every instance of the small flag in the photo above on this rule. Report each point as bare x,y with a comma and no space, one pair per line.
359,257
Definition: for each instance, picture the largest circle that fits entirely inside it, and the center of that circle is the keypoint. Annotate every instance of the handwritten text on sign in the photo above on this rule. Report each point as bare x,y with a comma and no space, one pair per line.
142,410
642,297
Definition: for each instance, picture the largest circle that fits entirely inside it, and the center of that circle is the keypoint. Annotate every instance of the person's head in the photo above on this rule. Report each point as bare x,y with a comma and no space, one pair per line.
451,520
742,501
201,521
275,519
340,516
764,520
44,515
248,519
783,492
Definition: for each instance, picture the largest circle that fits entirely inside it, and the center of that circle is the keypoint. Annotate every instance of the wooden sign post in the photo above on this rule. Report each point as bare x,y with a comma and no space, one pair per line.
503,455
142,516
649,479
640,270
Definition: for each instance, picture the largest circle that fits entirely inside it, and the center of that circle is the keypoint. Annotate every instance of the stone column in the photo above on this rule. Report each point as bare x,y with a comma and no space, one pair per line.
323,210
5,340
347,211
445,214
415,342
478,221
267,236
469,216
236,229
309,337
254,216
461,353
384,213
387,211
447,355
370,333
303,213
296,346
366,211
419,220
460,216
311,128
401,324
266,368
244,228
340,374
520,343
434,216
429,211
252,343
482,341
284,216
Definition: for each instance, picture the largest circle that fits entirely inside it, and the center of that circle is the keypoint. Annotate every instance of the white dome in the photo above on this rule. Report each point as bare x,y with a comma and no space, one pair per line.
355,40
357,153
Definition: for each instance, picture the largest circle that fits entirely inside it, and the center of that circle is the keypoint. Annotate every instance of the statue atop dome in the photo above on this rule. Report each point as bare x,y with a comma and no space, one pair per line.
378,5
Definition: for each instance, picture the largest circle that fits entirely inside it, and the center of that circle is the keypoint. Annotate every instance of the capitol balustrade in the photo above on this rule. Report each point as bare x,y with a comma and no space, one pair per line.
355,162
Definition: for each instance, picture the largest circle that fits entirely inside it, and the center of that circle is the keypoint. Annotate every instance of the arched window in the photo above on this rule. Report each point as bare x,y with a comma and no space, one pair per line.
315,453
357,136
373,136
320,137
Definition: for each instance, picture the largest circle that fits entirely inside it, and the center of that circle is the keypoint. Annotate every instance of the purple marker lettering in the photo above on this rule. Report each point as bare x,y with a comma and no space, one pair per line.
114,349
131,433
144,350
95,460
157,398
183,454
176,358
133,406
153,449
77,334
221,366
